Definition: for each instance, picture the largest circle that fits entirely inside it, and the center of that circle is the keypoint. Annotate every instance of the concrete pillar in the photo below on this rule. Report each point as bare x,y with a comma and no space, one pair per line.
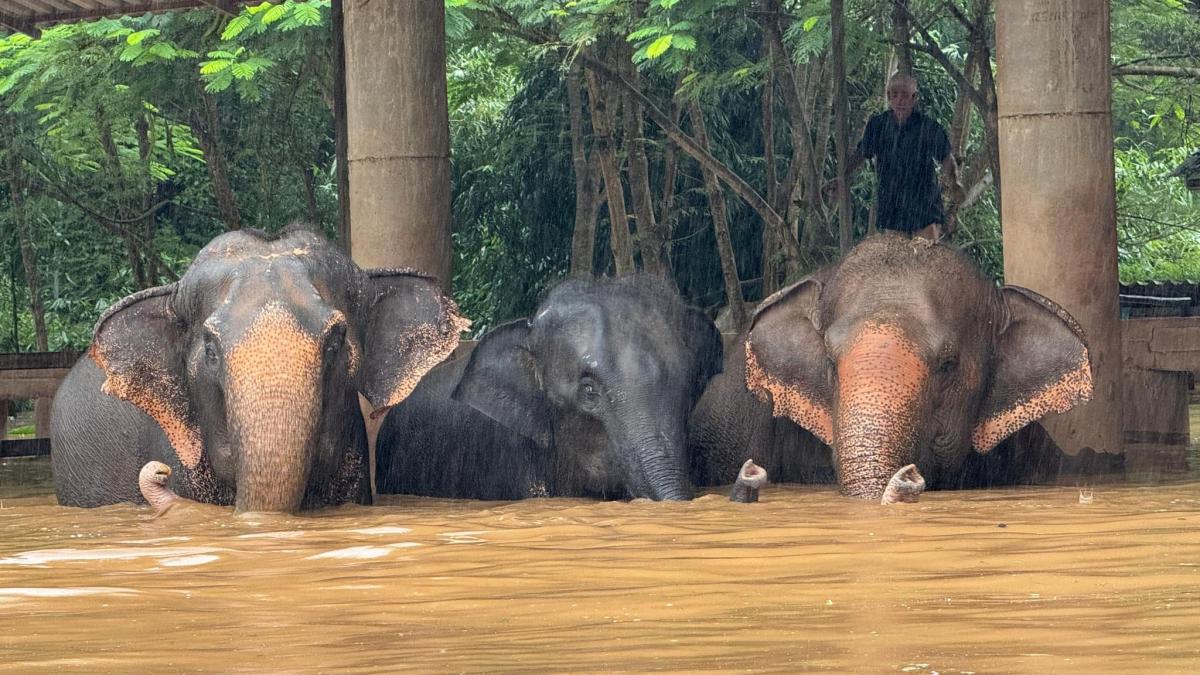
398,135
1059,215
41,417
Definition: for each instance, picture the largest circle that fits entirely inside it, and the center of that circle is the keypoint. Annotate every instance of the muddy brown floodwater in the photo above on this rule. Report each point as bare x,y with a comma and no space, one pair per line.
1016,580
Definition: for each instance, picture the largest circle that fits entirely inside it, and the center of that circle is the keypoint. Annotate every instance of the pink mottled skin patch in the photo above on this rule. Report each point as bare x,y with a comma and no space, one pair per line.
787,400
881,377
1071,389
161,397
431,345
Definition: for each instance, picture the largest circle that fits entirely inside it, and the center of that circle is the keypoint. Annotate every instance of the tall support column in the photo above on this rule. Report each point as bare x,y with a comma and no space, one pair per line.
1059,213
398,135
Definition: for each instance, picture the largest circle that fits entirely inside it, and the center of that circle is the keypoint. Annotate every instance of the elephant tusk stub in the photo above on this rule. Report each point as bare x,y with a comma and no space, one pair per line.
906,485
750,478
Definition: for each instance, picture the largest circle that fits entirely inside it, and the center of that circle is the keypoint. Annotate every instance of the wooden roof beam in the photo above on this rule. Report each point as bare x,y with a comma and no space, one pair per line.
226,6
20,25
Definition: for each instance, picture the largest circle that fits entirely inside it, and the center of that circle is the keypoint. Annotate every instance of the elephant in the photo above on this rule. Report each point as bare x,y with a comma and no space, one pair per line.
902,353
244,376
589,397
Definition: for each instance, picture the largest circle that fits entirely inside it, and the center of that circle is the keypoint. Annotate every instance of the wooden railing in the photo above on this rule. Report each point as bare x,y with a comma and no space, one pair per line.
31,375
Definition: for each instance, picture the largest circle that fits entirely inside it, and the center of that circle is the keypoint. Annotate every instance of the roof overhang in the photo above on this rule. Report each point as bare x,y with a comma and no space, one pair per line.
27,16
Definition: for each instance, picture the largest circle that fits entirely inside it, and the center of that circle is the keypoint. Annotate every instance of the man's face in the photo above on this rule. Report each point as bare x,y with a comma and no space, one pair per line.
902,97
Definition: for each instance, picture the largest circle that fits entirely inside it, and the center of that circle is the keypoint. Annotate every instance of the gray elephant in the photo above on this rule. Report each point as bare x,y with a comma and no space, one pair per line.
589,397
243,377
902,353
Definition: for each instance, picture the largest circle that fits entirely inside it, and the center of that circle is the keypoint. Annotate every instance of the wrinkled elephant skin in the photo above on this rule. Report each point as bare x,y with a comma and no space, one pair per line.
243,377
589,397
903,353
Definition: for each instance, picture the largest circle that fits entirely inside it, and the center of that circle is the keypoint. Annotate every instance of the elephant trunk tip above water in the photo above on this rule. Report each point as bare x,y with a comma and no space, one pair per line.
750,479
153,482
905,354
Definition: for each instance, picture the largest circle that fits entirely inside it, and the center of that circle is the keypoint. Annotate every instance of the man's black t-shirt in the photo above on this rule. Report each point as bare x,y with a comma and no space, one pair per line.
909,198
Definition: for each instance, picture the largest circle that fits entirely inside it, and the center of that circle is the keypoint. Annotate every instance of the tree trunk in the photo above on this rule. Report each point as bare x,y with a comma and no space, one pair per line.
207,130
583,238
841,133
651,240
697,152
801,184
900,33
310,192
716,204
808,111
337,24
149,229
666,215
28,252
133,248
771,268
990,116
622,246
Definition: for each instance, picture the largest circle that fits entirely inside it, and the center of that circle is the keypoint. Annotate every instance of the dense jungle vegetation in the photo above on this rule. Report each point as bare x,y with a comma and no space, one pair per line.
129,143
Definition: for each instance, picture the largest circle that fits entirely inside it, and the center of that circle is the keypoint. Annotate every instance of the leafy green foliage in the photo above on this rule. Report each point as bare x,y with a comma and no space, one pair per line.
102,118
105,119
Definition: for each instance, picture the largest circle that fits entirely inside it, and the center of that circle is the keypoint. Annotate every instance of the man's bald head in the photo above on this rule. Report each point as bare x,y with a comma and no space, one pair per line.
902,95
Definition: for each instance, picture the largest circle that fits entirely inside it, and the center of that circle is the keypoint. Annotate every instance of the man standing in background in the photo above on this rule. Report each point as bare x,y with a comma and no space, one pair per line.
906,144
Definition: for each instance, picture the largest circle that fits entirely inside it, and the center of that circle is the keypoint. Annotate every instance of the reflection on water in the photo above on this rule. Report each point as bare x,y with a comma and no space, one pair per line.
1018,580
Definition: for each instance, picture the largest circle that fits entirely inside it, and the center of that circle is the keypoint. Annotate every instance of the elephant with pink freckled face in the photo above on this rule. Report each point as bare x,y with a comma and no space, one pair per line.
243,378
903,353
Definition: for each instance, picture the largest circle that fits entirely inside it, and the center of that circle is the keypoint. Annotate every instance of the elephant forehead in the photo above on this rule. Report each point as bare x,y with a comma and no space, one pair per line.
241,285
274,342
884,354
247,298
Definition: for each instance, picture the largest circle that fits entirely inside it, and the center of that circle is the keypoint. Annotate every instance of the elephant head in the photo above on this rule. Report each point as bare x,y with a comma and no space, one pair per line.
903,353
251,363
603,376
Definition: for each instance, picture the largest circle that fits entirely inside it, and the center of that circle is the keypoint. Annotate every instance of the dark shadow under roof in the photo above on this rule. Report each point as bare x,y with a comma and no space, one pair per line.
27,16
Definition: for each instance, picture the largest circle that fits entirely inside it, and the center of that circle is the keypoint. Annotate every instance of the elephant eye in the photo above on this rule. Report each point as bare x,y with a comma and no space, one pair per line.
589,392
948,366
333,343
211,355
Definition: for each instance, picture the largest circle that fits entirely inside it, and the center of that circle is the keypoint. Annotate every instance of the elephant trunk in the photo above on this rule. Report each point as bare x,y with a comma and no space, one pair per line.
654,461
274,403
881,380
665,476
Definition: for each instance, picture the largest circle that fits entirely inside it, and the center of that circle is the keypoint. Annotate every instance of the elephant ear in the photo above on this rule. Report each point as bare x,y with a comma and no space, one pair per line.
1041,366
411,327
704,341
502,381
786,362
141,345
